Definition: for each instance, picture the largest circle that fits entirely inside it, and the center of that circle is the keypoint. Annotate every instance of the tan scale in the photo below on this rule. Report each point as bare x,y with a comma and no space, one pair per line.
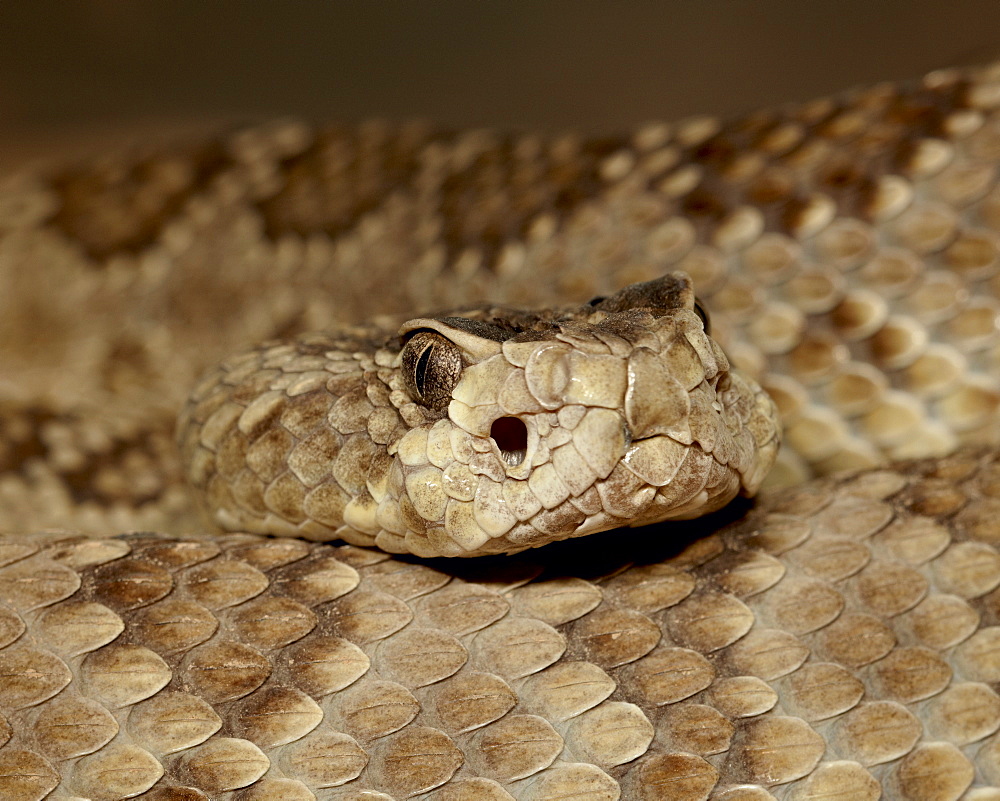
555,679
838,639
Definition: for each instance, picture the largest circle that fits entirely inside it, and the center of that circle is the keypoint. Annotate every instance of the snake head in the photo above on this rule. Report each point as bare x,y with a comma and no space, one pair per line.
486,431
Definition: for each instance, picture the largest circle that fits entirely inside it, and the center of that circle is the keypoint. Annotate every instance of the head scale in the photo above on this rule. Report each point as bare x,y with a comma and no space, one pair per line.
489,431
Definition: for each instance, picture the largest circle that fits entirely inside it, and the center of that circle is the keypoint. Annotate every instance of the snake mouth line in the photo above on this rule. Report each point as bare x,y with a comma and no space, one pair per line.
511,437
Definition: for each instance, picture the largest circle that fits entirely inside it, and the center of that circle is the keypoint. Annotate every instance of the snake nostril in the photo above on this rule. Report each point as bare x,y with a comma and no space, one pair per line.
511,437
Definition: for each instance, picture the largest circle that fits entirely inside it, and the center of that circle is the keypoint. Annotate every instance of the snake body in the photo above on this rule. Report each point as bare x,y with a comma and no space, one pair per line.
836,640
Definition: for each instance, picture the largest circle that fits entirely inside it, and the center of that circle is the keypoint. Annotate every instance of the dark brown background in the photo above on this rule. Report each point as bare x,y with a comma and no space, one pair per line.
74,73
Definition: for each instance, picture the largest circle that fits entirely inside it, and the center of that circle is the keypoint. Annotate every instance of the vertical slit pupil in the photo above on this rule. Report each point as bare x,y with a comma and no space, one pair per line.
420,371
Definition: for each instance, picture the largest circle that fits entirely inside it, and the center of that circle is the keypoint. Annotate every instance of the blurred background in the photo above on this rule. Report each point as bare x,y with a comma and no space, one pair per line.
76,74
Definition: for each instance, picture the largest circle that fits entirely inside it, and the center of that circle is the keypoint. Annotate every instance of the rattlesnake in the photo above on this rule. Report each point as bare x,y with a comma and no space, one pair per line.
834,639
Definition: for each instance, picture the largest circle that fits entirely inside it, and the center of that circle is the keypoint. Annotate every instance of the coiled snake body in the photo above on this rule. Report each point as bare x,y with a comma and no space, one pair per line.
833,640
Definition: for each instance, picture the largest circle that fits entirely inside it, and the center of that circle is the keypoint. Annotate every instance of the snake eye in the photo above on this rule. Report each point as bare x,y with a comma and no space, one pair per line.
702,312
431,367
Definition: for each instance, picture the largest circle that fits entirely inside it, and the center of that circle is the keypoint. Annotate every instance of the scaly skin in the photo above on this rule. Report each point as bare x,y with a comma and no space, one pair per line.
839,641
491,432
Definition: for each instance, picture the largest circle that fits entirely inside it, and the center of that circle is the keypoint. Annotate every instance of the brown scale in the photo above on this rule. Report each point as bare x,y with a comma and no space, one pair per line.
841,639
338,177
856,658
134,470
115,207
